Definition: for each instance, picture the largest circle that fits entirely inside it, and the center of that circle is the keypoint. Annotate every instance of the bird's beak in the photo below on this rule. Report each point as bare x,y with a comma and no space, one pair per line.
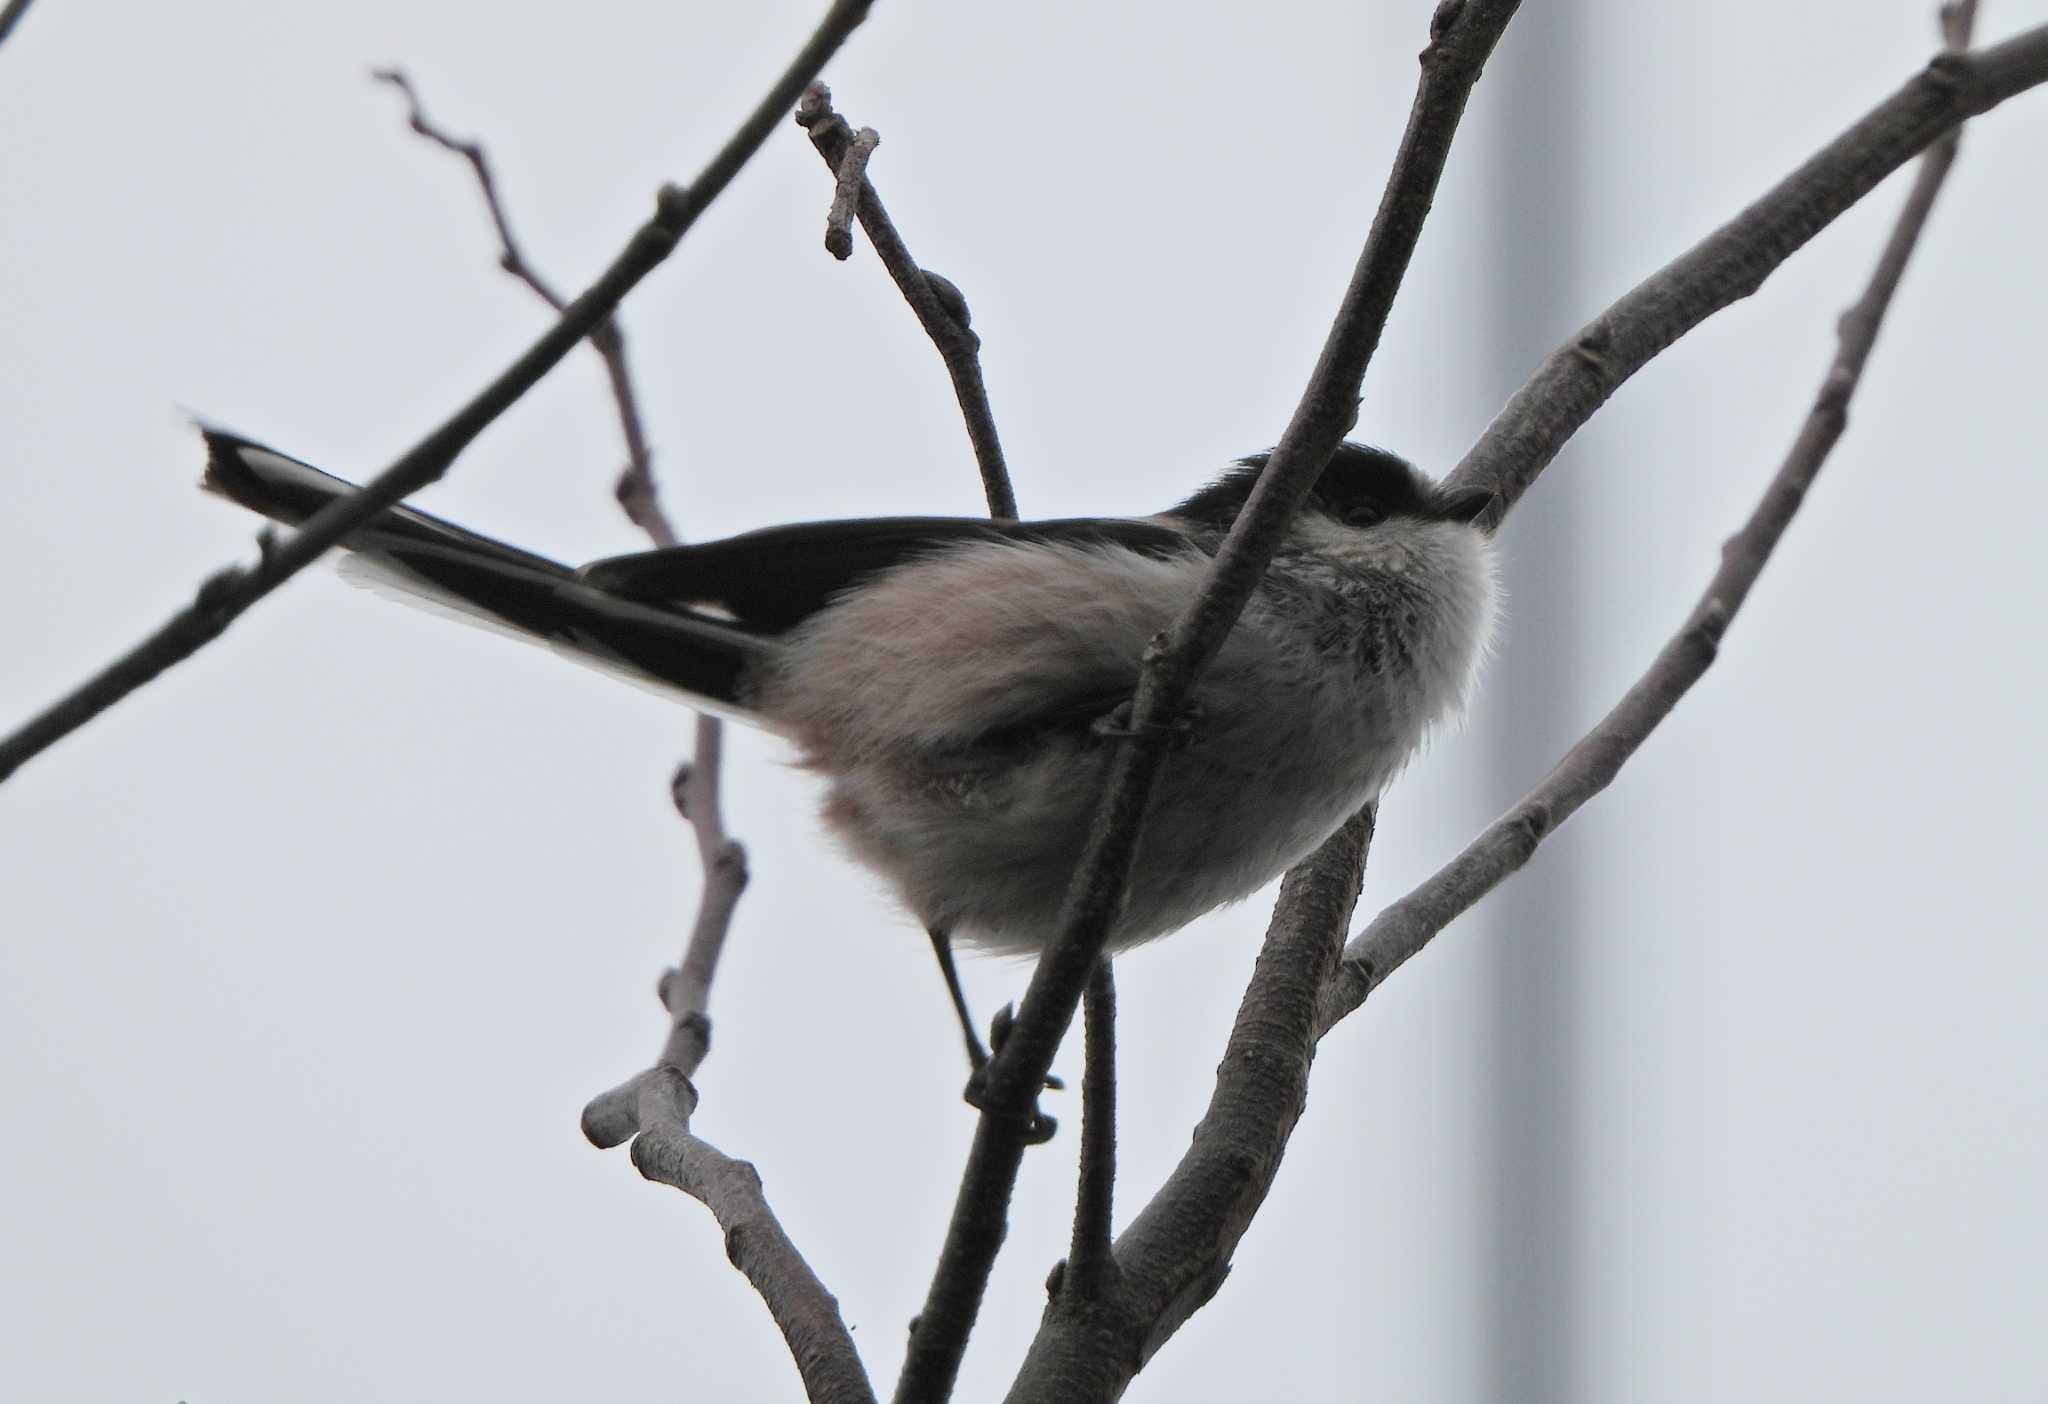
1466,506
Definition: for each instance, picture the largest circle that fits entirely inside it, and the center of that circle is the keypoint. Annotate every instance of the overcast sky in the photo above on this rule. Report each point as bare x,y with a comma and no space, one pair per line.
314,950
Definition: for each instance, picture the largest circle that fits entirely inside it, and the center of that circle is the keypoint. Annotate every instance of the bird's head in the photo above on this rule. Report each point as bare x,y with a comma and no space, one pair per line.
1360,488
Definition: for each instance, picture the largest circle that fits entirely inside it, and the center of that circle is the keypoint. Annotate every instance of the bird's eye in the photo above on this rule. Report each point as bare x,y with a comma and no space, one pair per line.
1362,514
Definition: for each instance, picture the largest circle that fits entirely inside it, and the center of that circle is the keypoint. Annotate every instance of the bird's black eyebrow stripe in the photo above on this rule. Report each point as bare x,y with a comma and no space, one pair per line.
1355,472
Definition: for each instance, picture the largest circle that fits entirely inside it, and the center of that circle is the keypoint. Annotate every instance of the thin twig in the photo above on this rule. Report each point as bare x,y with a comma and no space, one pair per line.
511,257
686,991
1091,1271
940,308
1733,261
223,597
1463,34
1404,928
635,490
611,1117
853,173
654,1106
696,790
1177,1252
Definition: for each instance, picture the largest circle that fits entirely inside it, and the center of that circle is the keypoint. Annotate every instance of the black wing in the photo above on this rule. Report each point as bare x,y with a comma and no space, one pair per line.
776,578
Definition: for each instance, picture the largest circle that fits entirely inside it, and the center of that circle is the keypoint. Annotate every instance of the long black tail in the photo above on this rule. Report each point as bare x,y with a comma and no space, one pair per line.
436,563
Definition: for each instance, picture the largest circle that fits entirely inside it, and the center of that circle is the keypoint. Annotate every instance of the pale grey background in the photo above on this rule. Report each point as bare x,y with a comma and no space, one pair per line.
314,950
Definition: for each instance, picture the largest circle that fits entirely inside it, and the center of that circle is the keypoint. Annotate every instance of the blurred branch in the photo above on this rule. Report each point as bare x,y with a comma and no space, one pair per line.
1733,261
1462,35
1176,1253
1590,766
223,598
939,306
11,16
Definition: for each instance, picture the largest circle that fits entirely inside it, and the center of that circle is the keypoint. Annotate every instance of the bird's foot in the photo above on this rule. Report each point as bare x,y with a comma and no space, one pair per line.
1040,1127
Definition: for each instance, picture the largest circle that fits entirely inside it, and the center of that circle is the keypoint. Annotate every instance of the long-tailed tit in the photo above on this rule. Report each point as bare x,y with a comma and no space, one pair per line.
957,682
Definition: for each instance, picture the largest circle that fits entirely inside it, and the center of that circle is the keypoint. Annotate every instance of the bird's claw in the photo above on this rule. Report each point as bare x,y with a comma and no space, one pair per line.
1039,1127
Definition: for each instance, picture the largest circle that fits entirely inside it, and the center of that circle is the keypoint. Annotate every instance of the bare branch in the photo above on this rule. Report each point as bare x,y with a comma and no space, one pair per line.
1463,34
1590,766
853,172
226,595
1957,19
611,1117
635,489
653,1108
1091,1271
511,257
1733,261
685,992
1176,1253
656,1104
940,308
807,1315
11,16
695,789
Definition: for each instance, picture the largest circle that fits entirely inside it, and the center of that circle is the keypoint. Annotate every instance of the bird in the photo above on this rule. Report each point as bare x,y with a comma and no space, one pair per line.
961,684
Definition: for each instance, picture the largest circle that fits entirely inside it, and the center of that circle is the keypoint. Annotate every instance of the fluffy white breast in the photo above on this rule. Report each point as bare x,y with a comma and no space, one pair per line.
970,640
901,692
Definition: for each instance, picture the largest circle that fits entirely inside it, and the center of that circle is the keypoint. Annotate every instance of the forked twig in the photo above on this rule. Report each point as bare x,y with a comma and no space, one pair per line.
223,598
1463,34
1405,927
1176,1252
654,1107
1733,261
940,308
635,489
